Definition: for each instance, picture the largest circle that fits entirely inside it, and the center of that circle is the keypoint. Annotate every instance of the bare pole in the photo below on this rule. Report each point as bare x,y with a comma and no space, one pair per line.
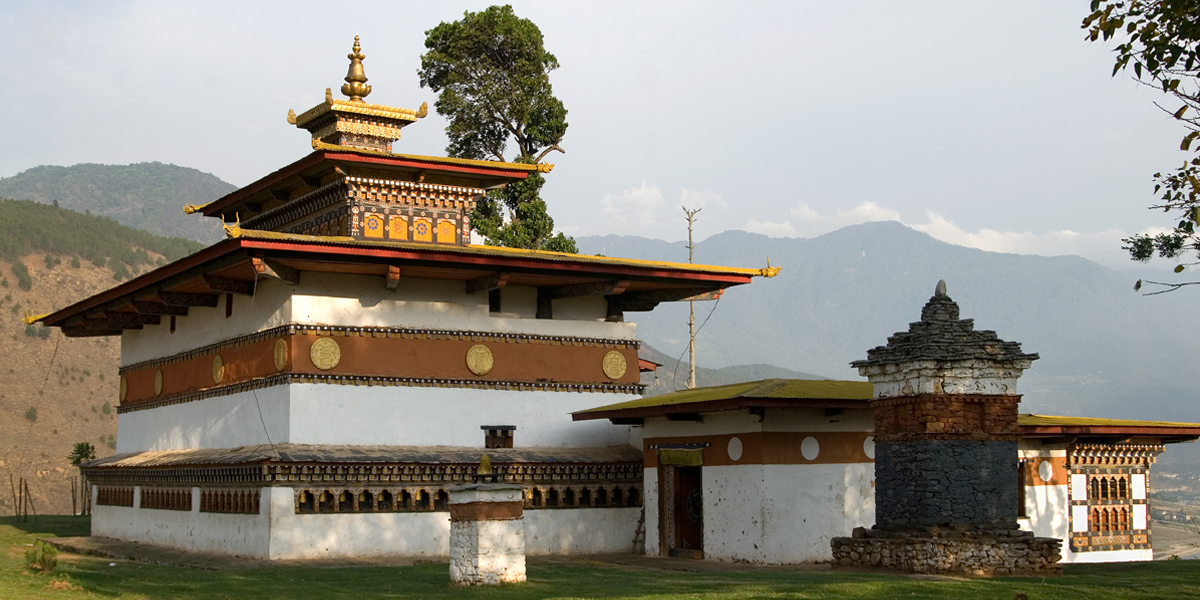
691,219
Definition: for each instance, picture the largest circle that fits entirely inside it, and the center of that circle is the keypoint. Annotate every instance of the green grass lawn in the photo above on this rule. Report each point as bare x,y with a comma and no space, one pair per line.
89,577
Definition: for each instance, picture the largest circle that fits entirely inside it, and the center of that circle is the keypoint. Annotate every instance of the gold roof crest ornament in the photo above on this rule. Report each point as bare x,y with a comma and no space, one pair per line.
353,123
356,87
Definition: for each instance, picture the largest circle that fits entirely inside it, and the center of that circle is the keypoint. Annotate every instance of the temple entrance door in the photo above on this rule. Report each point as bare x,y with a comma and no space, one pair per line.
689,513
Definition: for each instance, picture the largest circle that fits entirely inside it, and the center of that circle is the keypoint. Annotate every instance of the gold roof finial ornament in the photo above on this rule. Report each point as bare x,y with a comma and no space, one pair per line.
356,87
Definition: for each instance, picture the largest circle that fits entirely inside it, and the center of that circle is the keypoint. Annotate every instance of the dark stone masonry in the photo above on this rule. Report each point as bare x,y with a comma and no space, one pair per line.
932,474
946,488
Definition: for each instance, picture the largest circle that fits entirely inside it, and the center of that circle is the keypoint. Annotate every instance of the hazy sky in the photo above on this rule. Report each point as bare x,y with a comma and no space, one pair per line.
993,125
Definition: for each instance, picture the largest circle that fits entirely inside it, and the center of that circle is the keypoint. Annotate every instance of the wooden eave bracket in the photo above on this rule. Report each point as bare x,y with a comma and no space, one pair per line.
158,308
596,288
487,283
188,299
270,269
392,279
229,286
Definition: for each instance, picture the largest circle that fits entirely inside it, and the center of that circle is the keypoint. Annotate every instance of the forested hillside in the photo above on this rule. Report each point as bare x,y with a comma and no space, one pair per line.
57,391
148,196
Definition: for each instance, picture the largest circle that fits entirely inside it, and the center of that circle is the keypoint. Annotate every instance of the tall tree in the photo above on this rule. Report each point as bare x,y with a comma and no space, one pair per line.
492,75
1160,41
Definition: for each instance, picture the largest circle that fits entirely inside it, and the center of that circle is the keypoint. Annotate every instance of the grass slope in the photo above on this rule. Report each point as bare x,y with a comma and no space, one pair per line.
148,196
92,577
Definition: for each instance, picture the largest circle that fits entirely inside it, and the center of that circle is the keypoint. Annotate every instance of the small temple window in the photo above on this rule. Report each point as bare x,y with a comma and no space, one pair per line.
569,497
1122,488
228,305
172,323
423,500
585,497
633,497
601,497
617,497
498,436
345,501
494,301
405,502
366,501
536,498
441,500
325,504
552,498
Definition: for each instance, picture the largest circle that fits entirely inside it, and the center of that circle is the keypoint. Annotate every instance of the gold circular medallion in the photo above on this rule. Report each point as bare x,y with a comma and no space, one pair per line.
124,388
325,354
281,354
614,365
158,382
479,360
218,369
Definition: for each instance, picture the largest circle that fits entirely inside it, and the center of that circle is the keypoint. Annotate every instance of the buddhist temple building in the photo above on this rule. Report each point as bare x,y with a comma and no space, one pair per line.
313,384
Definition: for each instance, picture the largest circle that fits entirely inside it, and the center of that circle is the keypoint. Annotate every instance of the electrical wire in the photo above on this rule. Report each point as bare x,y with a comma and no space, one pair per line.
680,359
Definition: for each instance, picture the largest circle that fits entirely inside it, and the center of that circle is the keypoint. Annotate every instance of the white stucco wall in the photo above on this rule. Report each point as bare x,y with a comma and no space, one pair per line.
221,422
220,533
334,414
650,501
269,307
354,535
806,505
580,530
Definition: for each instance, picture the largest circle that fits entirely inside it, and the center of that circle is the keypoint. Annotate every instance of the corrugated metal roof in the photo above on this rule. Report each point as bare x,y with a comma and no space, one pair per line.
1031,420
815,389
305,453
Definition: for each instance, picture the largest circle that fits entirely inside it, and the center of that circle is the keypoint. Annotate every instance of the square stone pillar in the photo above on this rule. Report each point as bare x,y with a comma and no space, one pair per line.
487,534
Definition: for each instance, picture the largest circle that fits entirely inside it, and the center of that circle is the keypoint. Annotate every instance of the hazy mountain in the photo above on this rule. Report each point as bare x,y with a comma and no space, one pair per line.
673,374
147,196
1105,350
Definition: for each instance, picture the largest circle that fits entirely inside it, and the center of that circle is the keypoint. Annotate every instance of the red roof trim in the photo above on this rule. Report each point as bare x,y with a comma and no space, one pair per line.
426,164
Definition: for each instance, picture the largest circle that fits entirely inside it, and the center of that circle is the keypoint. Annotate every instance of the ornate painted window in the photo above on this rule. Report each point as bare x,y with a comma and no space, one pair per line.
1108,491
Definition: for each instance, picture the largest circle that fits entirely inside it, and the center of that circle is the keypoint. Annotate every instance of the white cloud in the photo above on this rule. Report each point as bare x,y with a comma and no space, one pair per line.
770,228
693,199
863,213
634,207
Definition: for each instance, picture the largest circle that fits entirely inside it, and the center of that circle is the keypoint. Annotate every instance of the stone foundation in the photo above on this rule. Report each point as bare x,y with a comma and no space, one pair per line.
982,552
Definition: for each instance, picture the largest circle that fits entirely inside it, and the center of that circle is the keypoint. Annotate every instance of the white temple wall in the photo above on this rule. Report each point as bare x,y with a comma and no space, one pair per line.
733,513
219,422
815,419
580,530
713,424
270,306
355,415
650,503
334,414
806,505
193,531
363,301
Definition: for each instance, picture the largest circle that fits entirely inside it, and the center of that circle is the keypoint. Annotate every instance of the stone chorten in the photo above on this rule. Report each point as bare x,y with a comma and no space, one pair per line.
945,404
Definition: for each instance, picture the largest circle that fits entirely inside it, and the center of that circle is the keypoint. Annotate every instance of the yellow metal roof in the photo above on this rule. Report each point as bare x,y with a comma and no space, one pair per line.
238,232
1030,420
816,389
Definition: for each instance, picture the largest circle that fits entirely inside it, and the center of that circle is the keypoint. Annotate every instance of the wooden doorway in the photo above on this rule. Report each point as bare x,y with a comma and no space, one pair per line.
681,510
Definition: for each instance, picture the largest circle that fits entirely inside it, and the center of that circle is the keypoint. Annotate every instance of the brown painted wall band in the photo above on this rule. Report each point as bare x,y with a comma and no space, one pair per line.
384,357
770,448
1060,476
486,511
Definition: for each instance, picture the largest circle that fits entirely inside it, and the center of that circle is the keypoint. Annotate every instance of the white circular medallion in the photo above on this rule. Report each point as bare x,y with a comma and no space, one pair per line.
810,448
869,447
1045,470
735,449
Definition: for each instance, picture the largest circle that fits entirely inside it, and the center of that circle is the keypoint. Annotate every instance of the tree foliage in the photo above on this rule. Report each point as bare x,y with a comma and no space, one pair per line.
1160,41
80,453
492,75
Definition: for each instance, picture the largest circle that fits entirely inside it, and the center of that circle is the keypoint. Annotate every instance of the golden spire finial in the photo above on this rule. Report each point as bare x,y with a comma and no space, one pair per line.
356,79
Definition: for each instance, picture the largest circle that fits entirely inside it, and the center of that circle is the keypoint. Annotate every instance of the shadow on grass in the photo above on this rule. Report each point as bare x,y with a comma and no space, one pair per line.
51,525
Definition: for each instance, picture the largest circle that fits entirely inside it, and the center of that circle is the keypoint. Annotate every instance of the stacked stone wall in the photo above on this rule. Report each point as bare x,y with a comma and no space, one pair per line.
944,482
981,552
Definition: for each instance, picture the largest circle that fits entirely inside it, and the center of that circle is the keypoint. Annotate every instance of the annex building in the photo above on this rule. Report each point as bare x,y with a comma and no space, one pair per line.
314,384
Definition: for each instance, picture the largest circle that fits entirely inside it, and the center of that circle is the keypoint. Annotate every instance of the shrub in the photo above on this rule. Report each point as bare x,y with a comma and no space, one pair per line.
75,262
42,557
31,414
22,272
38,331
106,409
